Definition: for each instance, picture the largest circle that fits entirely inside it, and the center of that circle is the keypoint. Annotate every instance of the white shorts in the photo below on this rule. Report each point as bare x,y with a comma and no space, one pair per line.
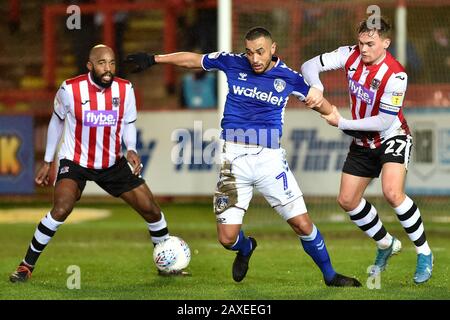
246,166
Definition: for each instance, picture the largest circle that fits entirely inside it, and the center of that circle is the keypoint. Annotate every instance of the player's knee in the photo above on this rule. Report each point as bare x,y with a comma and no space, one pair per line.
228,226
61,210
301,224
347,202
393,196
304,227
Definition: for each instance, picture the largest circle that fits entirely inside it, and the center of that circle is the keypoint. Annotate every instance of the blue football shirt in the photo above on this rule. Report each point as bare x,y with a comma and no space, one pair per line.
254,106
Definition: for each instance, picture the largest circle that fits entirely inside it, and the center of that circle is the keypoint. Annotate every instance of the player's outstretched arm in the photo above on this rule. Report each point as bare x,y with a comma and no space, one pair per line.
188,60
143,61
54,133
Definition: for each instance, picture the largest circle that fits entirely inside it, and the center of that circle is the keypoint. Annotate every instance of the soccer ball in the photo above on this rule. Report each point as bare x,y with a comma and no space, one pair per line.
172,255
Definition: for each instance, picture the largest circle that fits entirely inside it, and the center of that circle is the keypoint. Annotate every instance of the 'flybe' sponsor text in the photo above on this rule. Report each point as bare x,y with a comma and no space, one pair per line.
100,118
360,92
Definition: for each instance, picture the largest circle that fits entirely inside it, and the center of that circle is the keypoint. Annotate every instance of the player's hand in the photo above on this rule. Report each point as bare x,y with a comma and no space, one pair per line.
140,60
134,162
314,98
333,117
42,176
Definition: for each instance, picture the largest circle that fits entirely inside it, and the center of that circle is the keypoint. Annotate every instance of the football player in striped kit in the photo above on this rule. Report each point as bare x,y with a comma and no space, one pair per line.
99,110
259,86
382,141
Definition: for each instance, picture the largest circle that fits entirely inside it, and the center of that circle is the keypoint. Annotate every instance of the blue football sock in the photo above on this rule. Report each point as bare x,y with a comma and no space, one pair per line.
314,246
242,244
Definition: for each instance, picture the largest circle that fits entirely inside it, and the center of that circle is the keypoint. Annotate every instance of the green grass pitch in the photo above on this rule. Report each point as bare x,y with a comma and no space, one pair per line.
114,255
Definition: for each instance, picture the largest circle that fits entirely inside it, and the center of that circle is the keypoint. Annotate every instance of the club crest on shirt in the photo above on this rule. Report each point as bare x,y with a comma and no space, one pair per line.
375,84
64,170
279,85
242,76
115,102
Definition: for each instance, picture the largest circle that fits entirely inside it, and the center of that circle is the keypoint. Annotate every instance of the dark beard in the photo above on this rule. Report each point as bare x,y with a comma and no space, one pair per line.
98,80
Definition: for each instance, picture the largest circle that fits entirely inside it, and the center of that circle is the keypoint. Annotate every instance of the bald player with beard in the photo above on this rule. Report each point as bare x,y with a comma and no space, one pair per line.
95,112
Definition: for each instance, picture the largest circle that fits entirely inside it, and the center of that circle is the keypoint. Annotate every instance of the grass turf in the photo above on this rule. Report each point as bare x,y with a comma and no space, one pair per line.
115,259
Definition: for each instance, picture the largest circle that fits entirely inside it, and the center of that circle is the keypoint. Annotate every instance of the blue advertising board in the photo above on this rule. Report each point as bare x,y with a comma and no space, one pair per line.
16,155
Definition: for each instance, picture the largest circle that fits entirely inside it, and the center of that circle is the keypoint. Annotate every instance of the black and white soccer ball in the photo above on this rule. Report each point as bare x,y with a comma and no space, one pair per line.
172,255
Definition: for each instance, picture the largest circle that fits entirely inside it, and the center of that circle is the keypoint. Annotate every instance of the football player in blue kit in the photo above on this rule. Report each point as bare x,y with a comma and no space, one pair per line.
259,86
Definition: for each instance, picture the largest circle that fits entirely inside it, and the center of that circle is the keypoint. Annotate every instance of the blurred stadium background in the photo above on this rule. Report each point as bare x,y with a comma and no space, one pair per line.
40,48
